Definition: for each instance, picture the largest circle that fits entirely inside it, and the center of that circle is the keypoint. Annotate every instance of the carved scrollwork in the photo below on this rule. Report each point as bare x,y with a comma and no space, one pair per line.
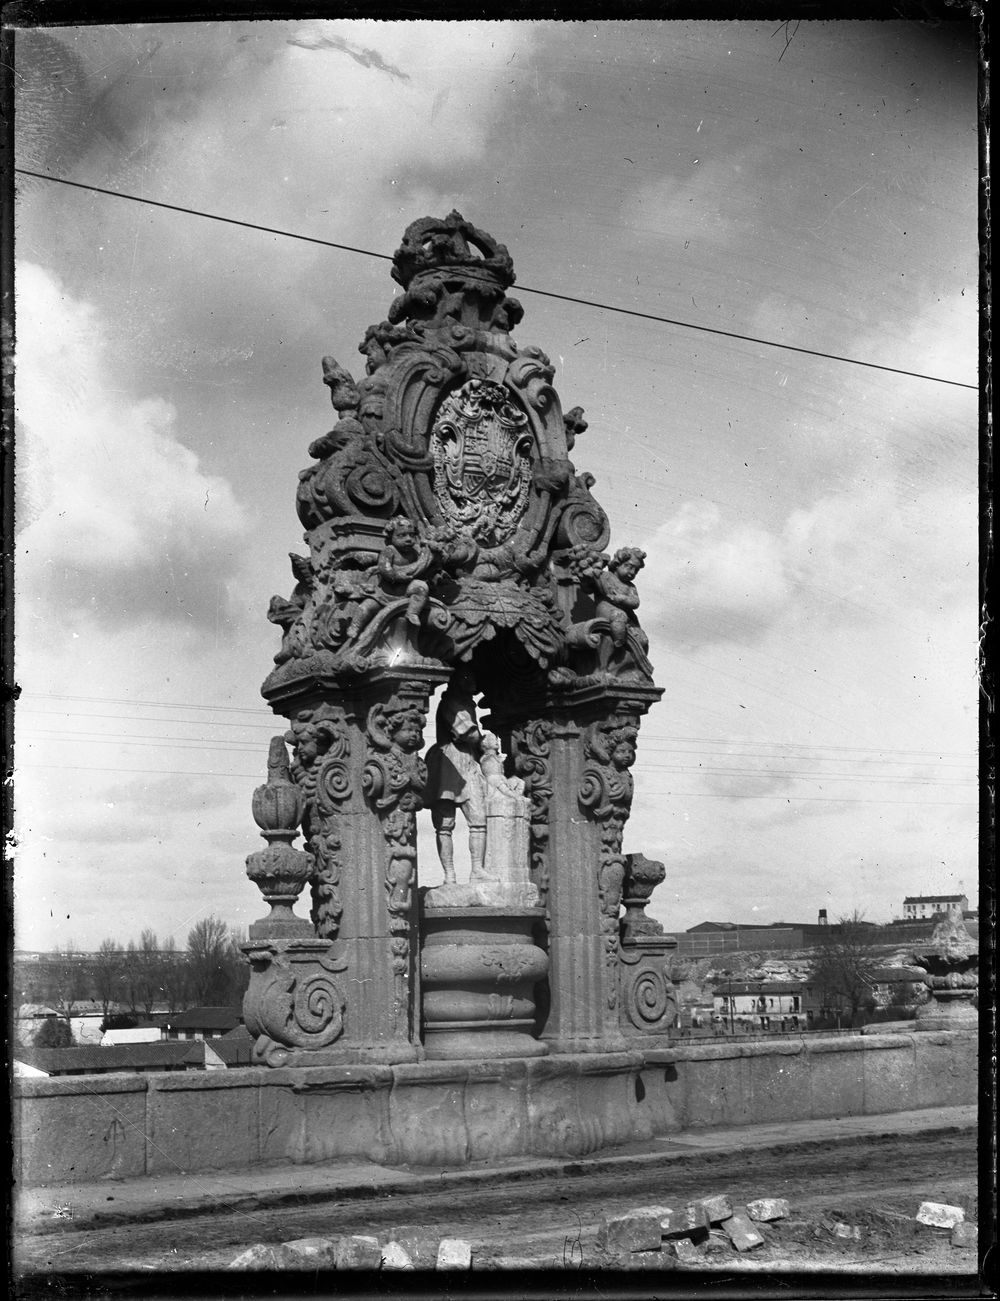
294,999
649,998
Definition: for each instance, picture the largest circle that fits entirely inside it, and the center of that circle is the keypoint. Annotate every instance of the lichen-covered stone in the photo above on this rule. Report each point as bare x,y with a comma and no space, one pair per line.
940,1216
768,1208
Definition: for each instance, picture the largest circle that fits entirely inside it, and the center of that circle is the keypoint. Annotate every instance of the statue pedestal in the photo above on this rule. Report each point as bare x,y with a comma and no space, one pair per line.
948,1009
478,968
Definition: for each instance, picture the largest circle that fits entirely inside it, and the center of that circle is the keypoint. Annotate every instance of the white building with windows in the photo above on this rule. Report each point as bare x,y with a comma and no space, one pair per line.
921,907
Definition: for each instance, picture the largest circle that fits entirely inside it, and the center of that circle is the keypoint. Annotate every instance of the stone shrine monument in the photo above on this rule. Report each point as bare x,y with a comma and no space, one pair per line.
453,544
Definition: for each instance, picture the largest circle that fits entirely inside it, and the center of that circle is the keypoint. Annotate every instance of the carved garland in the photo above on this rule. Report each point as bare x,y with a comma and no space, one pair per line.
321,769
532,762
393,781
605,796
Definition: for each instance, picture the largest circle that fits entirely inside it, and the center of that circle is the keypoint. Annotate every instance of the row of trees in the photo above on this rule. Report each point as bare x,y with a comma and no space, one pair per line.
143,975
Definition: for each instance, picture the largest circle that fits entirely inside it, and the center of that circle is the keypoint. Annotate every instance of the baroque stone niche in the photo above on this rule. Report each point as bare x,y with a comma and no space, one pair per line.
451,540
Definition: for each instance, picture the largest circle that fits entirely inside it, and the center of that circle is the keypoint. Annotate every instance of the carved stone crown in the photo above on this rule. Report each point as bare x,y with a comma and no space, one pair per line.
432,244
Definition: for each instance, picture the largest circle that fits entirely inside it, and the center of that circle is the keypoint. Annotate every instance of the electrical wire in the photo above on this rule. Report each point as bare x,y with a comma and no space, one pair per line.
543,293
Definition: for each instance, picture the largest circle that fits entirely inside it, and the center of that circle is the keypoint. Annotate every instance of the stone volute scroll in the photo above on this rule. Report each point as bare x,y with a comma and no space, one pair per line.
451,542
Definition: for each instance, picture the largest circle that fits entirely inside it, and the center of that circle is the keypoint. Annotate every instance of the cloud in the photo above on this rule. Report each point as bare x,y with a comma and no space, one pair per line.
713,582
115,513
850,558
704,204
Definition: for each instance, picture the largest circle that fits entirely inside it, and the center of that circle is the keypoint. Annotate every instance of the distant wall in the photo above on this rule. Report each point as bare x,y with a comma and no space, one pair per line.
748,939
83,1128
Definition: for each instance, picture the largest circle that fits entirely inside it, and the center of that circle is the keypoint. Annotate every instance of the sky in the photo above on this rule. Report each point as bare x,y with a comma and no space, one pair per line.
810,588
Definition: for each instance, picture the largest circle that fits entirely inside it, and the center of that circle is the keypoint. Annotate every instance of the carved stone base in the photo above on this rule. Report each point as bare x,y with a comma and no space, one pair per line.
478,970
948,1009
647,999
294,1007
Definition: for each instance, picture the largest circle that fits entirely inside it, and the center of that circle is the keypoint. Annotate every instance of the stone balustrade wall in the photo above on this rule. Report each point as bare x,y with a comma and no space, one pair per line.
83,1128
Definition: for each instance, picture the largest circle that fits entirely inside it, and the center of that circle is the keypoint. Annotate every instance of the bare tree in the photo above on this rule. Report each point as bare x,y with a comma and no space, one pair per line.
208,961
106,973
173,976
130,978
845,965
68,983
149,965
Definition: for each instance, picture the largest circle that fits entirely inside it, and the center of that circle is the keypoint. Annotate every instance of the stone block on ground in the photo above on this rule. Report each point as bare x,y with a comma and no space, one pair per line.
768,1208
308,1253
357,1251
690,1221
262,1255
741,1233
454,1253
648,1260
846,1232
395,1256
717,1208
420,1248
940,1216
637,1230
965,1235
688,1252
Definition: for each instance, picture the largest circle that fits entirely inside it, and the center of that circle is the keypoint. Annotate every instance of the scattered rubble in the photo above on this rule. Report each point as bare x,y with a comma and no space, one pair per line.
716,1209
395,1256
260,1256
688,1222
637,1230
965,1235
849,1232
768,1208
741,1232
940,1216
688,1252
643,1238
454,1253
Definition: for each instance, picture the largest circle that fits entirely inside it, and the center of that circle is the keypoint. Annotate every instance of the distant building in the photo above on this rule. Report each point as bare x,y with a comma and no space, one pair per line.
918,907
135,1059
765,1004
202,1023
896,986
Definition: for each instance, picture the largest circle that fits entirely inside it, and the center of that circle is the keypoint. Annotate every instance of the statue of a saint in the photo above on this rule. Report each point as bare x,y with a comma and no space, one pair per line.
455,779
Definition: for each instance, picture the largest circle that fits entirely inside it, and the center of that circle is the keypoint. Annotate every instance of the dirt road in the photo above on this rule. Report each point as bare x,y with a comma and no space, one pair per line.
876,1183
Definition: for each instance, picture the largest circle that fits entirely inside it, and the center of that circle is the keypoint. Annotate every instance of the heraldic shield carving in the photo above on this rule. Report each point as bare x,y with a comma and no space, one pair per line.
482,469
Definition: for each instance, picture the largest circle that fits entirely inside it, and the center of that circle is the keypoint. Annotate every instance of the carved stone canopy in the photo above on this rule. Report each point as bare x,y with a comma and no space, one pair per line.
442,511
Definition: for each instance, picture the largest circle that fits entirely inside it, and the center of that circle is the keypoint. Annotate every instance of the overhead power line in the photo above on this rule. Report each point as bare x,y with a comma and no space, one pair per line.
801,749
527,289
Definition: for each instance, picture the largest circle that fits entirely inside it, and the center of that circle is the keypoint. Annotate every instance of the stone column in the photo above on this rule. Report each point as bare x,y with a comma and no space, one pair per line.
574,756
357,759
